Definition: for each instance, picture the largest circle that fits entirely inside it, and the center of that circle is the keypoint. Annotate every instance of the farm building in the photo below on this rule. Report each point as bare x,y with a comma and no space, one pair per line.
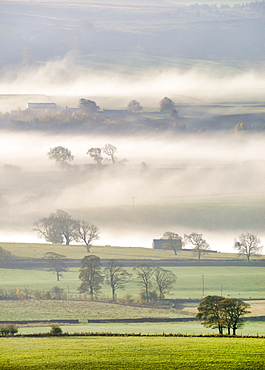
165,244
42,106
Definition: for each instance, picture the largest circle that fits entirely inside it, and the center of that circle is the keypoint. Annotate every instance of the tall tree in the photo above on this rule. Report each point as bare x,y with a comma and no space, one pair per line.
116,276
49,229
59,227
145,273
60,155
233,310
200,246
96,154
55,263
110,150
174,241
211,314
164,280
91,276
86,233
248,245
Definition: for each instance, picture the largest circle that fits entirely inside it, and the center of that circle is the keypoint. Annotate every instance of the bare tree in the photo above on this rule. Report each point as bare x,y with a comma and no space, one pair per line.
87,232
145,273
200,246
91,276
248,245
60,155
55,263
96,154
110,150
174,241
164,280
117,277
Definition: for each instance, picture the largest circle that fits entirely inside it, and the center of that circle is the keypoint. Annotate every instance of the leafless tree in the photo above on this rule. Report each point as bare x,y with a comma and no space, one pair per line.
110,150
145,273
164,280
248,245
200,246
87,232
116,276
174,241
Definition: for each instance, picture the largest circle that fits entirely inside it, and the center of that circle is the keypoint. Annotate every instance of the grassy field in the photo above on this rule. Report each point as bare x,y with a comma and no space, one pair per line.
132,353
240,281
191,328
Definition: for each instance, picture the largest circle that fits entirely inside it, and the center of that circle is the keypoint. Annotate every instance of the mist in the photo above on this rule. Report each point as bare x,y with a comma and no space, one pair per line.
64,78
211,184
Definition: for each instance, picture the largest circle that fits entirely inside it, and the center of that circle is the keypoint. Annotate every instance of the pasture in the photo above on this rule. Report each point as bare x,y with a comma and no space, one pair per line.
132,353
231,281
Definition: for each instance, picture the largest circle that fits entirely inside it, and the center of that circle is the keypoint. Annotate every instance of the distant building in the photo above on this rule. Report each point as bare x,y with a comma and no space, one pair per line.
160,244
42,106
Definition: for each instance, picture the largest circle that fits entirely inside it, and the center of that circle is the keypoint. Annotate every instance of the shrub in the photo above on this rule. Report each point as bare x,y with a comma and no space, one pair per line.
56,330
9,329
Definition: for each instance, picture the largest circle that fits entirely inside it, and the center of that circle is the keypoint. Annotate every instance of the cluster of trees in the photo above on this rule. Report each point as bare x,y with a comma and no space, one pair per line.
248,244
60,227
116,276
63,156
222,313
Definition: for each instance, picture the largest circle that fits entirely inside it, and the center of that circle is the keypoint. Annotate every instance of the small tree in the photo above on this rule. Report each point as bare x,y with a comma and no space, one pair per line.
200,246
91,276
88,105
174,241
57,293
87,233
9,329
134,106
166,105
95,153
248,245
116,276
145,273
164,280
110,150
55,263
56,330
60,155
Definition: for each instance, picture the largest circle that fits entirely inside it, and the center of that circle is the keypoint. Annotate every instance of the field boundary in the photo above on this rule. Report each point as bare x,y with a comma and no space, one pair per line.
118,321
25,263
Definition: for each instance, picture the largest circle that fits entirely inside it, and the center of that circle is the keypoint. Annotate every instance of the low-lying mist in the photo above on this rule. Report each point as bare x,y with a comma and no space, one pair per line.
64,77
210,183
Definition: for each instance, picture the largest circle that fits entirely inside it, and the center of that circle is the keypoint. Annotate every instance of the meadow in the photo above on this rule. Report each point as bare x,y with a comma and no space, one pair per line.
132,353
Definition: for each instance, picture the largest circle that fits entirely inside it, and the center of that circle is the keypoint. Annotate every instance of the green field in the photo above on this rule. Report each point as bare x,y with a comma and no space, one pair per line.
132,353
234,281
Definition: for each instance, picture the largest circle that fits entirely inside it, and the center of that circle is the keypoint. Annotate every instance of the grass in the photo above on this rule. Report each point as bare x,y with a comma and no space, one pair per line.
190,328
240,281
132,353
37,250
